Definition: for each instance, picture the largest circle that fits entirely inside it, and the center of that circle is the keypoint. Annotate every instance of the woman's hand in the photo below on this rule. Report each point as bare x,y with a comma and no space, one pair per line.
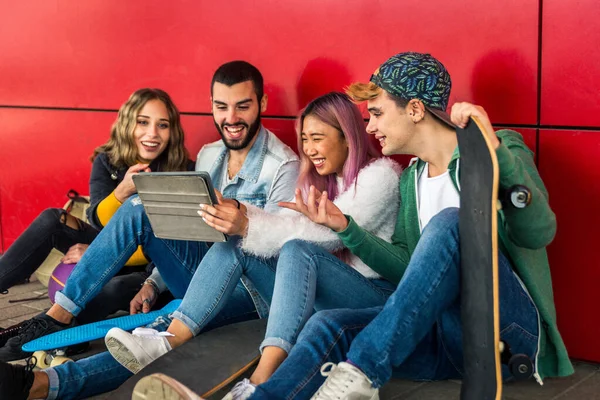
126,188
318,209
460,116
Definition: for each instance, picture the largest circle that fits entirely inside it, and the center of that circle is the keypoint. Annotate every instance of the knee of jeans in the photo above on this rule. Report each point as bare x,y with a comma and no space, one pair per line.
447,219
321,320
132,207
296,246
51,217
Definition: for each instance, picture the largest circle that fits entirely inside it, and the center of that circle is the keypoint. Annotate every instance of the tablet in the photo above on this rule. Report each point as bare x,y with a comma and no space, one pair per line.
171,201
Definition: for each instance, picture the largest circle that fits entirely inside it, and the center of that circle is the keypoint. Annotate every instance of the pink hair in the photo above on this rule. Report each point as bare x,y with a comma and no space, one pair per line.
337,110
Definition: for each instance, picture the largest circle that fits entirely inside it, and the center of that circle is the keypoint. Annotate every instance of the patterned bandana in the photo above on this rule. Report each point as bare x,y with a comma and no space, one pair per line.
415,76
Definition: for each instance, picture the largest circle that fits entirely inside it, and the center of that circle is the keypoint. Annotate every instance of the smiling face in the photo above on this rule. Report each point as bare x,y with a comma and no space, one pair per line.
324,145
391,125
152,131
236,112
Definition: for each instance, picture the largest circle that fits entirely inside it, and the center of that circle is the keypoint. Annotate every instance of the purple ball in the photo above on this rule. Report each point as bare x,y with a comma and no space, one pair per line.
59,278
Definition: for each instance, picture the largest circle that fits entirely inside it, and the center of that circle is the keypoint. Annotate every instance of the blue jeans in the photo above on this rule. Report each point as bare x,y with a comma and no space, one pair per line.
416,334
309,278
101,373
217,278
128,228
305,277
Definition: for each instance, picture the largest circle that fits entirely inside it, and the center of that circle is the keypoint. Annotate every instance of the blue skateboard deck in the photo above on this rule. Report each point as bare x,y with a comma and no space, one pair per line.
96,330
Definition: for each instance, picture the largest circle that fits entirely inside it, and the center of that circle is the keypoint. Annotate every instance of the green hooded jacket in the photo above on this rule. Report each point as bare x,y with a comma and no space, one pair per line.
524,234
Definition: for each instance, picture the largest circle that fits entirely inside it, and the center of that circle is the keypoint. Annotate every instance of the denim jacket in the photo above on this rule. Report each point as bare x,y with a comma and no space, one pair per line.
268,176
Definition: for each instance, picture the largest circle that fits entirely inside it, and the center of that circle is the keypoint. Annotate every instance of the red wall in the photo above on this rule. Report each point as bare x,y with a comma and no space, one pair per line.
65,67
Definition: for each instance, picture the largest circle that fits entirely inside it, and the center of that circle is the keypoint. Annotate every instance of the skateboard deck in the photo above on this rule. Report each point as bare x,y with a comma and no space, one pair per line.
207,363
478,230
96,330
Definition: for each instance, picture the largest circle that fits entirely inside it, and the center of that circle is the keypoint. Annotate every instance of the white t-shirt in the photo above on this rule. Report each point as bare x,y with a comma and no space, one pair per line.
435,194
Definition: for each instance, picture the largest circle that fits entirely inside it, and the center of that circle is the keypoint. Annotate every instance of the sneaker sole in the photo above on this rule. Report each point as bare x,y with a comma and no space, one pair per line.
162,387
120,352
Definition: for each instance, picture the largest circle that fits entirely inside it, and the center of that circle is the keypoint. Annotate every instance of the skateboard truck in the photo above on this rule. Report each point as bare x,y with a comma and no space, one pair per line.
517,196
519,365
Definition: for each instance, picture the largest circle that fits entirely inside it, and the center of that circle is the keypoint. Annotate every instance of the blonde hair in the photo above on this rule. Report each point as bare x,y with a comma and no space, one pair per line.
120,147
360,92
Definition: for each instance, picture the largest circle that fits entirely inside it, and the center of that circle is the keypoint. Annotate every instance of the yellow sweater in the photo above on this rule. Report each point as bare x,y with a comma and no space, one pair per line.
106,209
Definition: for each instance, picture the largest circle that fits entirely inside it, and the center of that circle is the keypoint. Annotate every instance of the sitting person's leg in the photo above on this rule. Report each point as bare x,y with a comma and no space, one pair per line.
114,296
428,294
215,296
326,337
308,277
102,373
119,239
53,228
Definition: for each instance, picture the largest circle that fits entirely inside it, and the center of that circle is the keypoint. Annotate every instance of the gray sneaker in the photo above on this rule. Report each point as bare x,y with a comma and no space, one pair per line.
345,381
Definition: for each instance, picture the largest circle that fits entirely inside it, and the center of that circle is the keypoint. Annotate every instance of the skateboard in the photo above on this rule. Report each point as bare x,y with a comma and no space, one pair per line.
205,364
480,200
63,342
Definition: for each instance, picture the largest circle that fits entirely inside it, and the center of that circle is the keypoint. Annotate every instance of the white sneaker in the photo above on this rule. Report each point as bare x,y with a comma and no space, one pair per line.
345,381
137,349
162,387
241,391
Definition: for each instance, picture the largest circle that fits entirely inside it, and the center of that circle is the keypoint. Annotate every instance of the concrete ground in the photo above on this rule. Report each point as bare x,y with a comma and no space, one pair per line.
583,385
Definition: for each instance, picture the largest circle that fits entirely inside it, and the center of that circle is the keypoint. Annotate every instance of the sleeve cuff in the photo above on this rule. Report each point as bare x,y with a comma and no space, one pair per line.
158,280
353,235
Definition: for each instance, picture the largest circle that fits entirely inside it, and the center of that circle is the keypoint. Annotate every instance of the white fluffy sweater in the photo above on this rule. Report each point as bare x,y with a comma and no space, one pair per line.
373,203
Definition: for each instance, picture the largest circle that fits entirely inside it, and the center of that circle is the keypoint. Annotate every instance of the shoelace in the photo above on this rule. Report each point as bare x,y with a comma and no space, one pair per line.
335,386
31,328
243,389
31,363
147,332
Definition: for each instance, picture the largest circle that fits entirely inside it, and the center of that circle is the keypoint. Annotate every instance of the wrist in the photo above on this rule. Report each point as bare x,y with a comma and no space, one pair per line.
343,226
153,285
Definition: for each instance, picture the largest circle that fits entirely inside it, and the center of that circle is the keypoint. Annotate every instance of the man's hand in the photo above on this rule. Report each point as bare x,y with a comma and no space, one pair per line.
74,253
144,300
318,209
460,116
225,216
126,188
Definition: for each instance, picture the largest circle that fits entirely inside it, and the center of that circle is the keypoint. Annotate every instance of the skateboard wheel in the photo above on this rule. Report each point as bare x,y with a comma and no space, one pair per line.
59,360
520,196
41,359
520,367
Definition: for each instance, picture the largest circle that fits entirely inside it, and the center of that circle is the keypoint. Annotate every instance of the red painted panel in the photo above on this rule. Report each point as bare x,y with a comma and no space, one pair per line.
571,63
570,168
92,54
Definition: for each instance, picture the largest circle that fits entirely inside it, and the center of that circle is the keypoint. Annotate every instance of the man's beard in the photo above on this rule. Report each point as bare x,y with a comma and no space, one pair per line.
242,143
